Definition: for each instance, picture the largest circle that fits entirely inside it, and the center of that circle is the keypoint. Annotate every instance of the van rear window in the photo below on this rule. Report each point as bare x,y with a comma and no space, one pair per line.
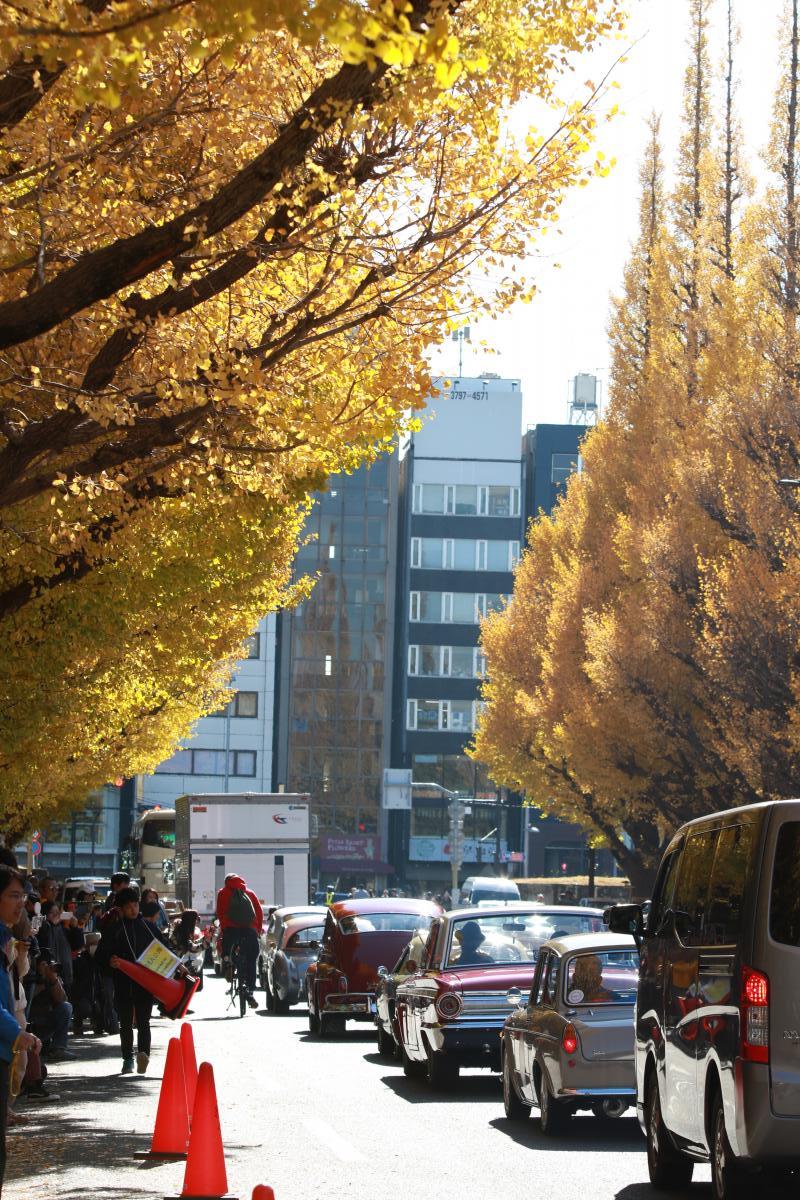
784,905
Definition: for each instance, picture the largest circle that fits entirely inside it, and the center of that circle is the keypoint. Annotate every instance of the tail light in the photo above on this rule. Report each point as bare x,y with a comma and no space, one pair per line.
569,1039
754,1016
449,1005
343,983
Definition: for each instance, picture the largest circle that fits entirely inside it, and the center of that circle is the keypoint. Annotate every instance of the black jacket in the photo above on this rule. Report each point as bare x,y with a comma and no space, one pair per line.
127,939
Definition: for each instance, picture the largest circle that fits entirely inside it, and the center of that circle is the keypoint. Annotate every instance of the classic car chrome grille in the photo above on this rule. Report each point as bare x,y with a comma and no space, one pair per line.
485,1004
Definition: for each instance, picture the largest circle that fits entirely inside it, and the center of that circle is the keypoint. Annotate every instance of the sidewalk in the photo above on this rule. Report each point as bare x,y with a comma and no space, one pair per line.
82,1143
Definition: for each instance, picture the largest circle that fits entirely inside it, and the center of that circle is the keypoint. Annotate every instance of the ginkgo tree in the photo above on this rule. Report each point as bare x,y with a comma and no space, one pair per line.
228,235
646,669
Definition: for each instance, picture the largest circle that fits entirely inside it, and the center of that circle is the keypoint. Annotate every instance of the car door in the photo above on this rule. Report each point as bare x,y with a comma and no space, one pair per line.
682,998
414,994
523,1043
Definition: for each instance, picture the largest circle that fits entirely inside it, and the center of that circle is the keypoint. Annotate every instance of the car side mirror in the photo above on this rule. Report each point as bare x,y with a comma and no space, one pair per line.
626,918
382,972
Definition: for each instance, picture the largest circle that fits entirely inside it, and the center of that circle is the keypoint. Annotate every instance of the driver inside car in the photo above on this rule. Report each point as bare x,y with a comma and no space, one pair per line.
471,937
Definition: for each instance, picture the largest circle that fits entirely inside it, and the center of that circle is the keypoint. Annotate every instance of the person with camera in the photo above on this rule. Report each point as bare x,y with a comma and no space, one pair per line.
50,1012
52,936
12,1038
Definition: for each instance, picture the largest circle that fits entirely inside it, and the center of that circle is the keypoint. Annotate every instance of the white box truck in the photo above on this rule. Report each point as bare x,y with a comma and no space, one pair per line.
262,836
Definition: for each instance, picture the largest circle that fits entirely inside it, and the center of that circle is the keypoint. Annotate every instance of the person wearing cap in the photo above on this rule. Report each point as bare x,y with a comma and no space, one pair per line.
471,939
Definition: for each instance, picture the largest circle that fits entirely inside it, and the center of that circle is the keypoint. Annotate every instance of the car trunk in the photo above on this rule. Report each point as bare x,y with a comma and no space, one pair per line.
605,1033
362,954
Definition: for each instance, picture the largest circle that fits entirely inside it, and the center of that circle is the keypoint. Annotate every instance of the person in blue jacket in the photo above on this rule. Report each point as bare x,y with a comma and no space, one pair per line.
12,902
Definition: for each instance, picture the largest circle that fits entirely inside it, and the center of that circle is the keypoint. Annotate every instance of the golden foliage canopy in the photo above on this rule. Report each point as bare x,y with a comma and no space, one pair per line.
228,234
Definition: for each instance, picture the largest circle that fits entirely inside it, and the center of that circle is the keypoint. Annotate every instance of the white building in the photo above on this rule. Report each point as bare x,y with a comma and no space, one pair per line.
230,751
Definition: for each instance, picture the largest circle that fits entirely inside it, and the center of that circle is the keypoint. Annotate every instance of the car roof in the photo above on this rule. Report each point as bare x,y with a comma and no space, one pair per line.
530,909
300,909
577,942
305,921
726,814
392,904
494,880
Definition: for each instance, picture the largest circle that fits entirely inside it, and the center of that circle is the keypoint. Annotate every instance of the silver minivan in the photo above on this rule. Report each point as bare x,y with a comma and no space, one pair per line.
718,1006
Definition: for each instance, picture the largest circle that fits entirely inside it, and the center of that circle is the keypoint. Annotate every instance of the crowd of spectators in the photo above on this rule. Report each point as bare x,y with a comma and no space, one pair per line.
59,973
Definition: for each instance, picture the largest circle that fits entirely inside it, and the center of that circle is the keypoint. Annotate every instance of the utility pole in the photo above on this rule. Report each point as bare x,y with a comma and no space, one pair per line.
456,843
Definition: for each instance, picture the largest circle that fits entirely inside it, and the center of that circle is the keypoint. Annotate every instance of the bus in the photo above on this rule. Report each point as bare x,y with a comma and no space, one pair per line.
154,849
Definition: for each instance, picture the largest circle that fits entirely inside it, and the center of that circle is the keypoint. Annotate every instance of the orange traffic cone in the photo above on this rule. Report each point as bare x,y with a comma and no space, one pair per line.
189,1065
262,1192
171,1132
205,1177
172,994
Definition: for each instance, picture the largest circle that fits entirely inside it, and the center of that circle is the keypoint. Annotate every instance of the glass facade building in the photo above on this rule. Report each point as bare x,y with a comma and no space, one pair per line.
335,669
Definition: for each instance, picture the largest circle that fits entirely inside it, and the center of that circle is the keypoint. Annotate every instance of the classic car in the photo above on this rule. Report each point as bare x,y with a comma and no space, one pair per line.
359,937
386,993
569,1045
272,931
299,944
477,962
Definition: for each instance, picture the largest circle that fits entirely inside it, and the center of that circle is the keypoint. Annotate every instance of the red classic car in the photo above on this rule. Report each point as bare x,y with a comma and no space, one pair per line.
360,936
478,964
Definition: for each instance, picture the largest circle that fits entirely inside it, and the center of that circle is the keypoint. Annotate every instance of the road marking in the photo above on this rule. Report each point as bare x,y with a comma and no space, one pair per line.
327,1135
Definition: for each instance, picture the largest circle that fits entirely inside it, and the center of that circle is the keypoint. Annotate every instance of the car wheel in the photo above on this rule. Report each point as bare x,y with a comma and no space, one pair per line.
270,997
313,1019
278,1005
412,1069
515,1109
669,1170
332,1026
385,1043
217,969
554,1115
728,1177
263,982
442,1071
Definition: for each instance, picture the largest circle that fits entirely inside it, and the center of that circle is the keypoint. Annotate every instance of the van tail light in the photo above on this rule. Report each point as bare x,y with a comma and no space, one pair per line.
754,1016
449,1005
569,1039
343,983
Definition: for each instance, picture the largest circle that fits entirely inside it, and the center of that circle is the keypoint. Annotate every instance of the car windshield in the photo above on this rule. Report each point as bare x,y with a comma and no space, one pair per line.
608,977
384,923
508,937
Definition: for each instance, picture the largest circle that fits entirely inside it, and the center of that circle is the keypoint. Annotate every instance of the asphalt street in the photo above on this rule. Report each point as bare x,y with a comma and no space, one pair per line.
316,1120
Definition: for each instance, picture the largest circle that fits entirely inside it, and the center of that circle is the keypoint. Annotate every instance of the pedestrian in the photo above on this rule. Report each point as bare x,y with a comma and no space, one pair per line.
124,940
119,880
48,889
162,920
49,1010
12,1038
52,936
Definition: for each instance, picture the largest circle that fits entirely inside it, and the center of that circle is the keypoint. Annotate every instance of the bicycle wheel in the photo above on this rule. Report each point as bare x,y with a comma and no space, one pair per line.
242,992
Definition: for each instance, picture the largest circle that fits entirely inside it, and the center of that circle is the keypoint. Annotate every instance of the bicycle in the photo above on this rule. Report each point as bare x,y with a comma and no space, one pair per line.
237,988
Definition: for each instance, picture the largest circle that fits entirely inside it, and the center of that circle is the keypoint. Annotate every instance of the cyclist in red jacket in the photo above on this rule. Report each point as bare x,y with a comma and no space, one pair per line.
241,918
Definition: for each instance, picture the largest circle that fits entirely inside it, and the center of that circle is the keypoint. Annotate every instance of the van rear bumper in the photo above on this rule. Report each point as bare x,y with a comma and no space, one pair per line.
760,1135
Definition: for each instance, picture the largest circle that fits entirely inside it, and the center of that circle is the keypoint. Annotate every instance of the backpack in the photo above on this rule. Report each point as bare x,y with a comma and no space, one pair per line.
240,909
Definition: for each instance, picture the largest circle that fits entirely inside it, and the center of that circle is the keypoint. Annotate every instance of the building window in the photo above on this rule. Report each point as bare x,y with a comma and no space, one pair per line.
331,552
253,645
328,664
209,762
463,554
429,716
458,608
244,763
562,466
179,764
429,498
244,704
413,660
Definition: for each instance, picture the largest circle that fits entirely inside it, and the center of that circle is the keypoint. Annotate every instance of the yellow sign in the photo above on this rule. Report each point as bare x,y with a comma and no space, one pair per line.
156,957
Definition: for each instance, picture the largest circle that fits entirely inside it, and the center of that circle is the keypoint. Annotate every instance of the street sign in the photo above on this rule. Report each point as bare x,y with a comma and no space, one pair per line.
397,788
36,848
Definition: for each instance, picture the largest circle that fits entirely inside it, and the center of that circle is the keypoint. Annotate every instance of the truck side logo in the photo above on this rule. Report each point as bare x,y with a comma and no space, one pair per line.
279,819
791,1035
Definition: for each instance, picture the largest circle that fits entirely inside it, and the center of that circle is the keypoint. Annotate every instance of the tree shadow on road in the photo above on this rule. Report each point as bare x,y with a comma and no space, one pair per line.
621,1136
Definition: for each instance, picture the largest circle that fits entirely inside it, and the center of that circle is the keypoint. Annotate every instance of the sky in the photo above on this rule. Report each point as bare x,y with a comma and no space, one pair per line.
563,331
